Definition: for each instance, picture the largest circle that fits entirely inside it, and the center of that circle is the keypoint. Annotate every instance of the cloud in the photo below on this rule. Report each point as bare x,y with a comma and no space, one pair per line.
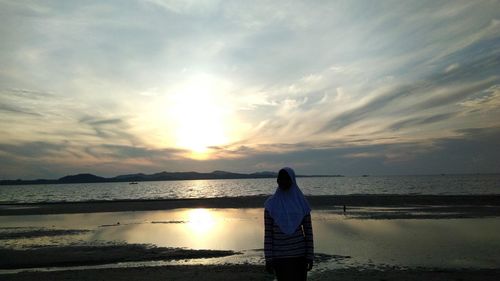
434,91
23,101
308,81
488,100
451,67
186,7
57,158
131,152
418,121
13,109
471,151
456,94
112,121
28,93
32,149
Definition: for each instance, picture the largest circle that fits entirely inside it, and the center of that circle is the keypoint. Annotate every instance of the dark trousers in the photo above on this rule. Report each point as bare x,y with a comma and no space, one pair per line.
290,269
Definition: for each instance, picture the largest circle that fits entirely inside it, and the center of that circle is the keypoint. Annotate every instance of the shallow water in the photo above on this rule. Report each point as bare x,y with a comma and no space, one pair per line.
445,243
441,185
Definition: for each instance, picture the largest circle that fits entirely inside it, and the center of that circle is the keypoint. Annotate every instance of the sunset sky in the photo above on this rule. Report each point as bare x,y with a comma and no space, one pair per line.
327,87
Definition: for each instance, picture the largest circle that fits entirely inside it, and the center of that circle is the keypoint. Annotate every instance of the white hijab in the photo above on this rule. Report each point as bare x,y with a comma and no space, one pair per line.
289,207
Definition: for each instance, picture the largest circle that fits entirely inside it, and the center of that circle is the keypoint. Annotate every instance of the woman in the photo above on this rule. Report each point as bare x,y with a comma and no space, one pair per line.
288,240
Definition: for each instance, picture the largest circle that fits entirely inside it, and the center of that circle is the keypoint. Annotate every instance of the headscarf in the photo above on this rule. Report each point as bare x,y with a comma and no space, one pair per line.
288,207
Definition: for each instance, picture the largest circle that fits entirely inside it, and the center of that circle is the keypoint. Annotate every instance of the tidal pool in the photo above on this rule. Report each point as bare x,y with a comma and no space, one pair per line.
443,243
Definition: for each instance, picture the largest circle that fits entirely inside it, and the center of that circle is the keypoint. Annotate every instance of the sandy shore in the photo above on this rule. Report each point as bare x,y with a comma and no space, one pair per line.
82,255
252,272
480,205
180,273
408,275
358,206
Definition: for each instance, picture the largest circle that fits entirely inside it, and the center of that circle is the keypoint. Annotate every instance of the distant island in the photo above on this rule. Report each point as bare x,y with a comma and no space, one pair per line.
162,176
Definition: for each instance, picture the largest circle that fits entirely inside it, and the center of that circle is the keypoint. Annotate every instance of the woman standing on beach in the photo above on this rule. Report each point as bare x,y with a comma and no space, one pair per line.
288,240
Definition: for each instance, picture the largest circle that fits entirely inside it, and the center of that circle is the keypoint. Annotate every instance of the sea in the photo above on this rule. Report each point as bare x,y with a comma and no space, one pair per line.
478,184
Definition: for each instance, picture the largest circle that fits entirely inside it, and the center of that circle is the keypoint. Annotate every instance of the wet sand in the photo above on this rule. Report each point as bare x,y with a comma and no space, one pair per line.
7,233
408,275
358,206
252,272
180,273
82,255
481,205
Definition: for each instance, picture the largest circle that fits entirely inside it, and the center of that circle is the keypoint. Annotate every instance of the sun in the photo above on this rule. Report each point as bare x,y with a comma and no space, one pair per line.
201,115
195,114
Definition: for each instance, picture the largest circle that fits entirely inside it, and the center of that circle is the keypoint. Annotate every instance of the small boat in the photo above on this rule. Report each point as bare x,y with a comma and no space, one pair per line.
134,182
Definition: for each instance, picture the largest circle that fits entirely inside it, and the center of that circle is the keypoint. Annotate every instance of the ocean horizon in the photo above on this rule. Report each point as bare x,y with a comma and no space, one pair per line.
471,184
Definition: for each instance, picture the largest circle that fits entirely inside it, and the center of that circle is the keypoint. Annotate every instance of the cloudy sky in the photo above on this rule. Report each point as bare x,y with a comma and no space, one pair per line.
327,87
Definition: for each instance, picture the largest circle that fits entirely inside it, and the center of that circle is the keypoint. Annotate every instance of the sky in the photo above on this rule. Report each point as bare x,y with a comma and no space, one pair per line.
326,87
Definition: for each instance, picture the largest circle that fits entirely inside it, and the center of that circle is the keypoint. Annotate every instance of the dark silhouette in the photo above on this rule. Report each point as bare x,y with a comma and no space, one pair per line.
288,240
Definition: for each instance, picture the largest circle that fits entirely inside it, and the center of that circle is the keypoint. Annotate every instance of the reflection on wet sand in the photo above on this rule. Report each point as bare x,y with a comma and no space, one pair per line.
201,222
229,229
369,242
452,243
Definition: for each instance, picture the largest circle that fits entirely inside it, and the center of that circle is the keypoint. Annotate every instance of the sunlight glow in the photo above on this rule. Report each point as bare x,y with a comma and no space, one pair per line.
201,115
195,114
201,221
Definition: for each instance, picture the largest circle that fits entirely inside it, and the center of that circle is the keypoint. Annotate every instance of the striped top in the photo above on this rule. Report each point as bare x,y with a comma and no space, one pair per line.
279,245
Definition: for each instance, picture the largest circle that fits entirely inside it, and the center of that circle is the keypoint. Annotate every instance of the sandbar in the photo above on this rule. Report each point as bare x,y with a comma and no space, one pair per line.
483,205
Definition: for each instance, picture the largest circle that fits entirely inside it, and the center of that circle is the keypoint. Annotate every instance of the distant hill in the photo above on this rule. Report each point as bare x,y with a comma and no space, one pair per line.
81,178
161,176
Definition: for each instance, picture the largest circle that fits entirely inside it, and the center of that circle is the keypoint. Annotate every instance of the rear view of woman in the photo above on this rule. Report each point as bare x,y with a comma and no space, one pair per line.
288,240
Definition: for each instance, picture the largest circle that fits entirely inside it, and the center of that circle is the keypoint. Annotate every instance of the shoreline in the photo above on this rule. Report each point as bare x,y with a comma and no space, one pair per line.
484,204
358,207
254,272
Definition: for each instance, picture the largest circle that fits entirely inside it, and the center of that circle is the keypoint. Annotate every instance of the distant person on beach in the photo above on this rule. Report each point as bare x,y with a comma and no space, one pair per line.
288,239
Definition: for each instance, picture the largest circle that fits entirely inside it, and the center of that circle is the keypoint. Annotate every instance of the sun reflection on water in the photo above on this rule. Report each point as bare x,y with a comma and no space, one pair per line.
201,222
399,242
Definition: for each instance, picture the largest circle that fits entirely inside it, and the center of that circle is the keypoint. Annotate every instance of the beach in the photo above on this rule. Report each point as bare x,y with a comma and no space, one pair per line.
202,140
220,239
467,205
247,272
